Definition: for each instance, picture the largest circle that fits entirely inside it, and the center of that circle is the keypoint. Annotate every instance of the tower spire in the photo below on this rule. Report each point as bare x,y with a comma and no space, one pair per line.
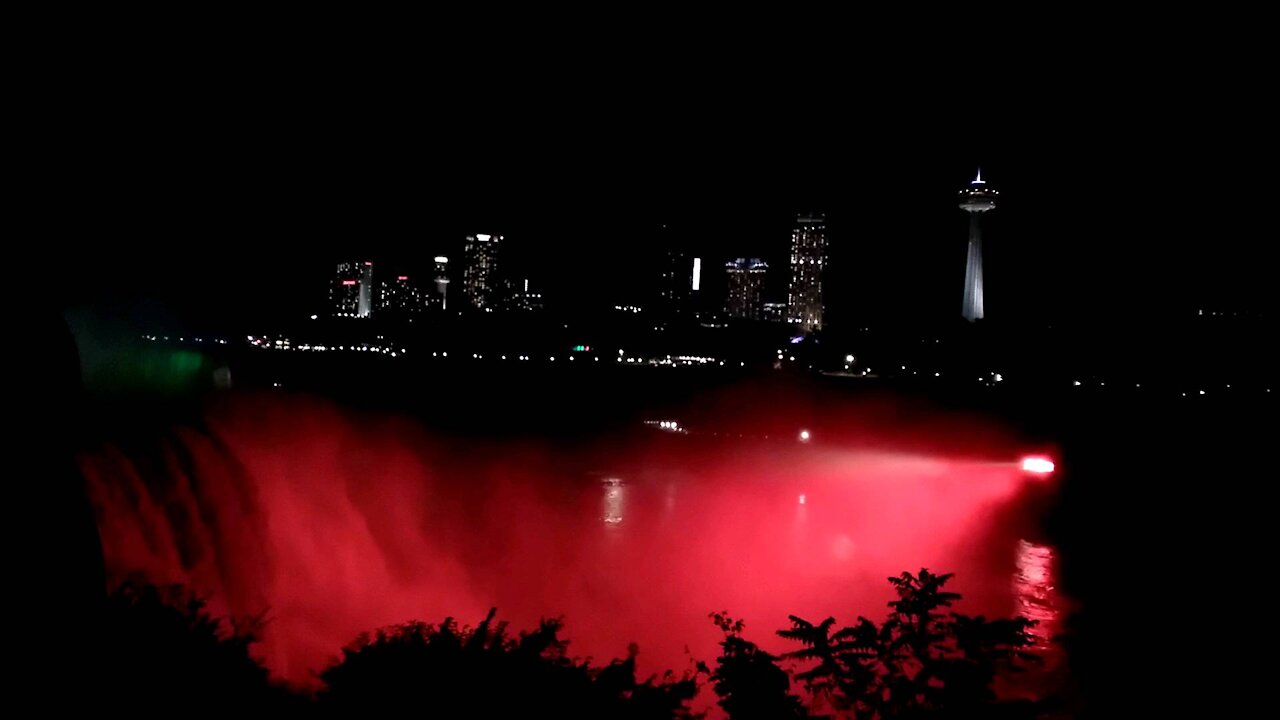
975,199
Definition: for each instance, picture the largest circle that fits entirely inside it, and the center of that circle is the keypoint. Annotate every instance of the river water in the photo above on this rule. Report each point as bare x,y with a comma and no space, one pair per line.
330,522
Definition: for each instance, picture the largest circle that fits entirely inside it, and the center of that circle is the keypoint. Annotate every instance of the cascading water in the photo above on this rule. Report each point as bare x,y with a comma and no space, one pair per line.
328,522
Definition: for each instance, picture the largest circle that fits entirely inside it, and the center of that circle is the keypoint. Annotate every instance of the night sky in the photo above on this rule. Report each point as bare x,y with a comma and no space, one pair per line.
230,194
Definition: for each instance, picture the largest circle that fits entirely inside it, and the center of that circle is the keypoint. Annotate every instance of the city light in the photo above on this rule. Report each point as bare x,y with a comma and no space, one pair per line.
848,359
1037,464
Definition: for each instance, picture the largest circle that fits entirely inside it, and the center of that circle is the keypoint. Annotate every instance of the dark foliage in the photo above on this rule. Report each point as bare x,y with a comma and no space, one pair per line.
921,662
748,680
459,671
160,650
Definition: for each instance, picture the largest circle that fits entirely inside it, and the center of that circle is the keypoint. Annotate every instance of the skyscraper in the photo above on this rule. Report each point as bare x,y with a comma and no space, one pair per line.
481,283
676,279
351,294
808,262
526,299
399,298
746,288
441,298
366,291
977,198
775,312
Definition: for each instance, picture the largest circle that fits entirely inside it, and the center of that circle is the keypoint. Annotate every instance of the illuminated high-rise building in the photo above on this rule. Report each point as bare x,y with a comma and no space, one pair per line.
978,197
399,298
441,298
352,292
678,275
481,283
526,299
745,280
679,278
808,263
775,312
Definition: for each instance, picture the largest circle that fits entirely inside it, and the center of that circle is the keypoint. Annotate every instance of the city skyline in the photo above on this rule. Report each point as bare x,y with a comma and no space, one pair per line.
898,263
201,201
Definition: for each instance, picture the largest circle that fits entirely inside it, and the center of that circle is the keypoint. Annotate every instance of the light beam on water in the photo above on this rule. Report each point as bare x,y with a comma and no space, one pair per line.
335,523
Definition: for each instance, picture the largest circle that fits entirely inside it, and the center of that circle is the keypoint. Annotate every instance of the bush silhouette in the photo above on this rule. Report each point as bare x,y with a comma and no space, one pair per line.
160,650
748,680
920,662
454,670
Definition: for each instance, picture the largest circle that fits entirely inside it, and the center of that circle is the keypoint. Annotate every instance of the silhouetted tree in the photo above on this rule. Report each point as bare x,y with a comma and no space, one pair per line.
920,662
161,651
482,672
748,680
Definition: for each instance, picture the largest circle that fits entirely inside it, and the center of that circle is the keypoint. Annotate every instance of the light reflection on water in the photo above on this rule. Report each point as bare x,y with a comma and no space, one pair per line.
339,528
1034,593
614,501
1034,588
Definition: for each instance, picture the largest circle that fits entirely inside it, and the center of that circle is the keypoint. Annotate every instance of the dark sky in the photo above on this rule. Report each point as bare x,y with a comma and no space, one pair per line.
228,190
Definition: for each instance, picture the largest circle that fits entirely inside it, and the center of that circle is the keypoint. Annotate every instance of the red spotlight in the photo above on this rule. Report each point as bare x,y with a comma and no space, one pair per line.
1037,464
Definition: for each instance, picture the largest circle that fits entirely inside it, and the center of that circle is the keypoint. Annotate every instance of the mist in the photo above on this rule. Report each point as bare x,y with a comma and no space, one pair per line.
328,522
